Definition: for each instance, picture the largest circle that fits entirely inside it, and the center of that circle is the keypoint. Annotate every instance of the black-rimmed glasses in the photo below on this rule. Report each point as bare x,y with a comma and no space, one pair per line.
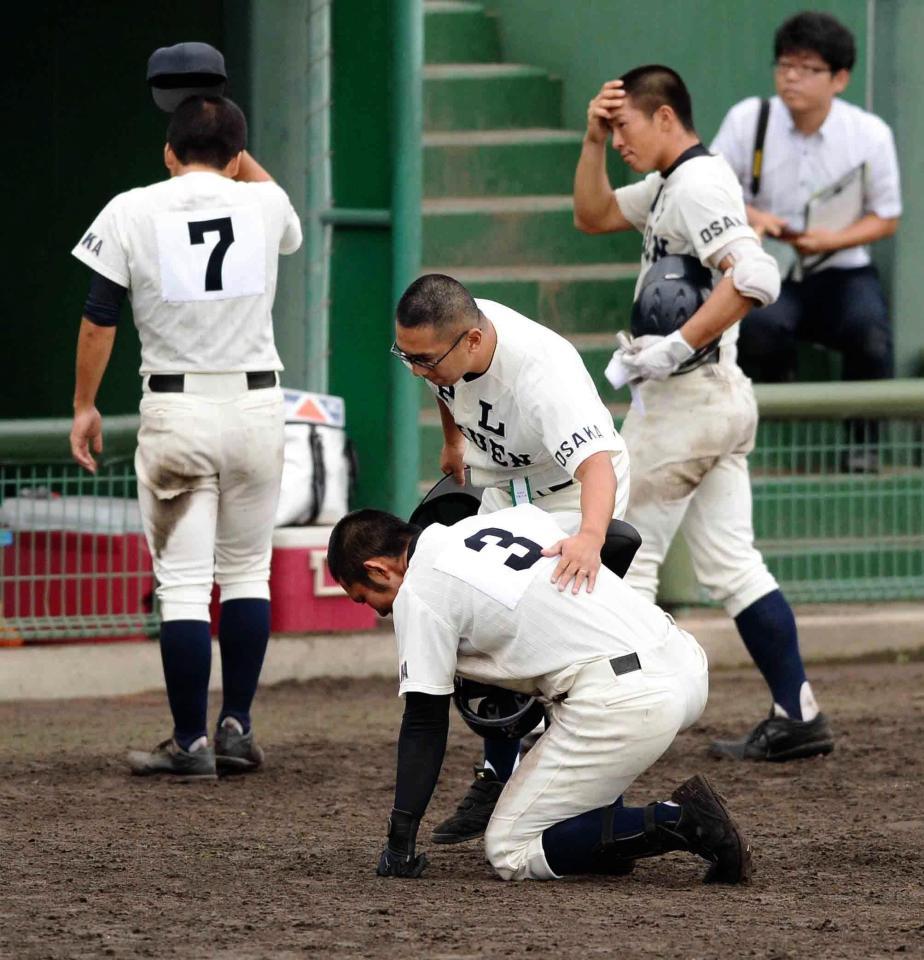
412,360
801,69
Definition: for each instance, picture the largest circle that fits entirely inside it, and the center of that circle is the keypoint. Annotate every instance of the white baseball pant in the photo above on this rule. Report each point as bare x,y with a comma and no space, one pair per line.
689,472
209,465
607,731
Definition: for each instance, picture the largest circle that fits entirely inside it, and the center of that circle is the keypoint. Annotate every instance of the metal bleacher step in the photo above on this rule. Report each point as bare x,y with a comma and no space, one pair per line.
476,163
459,32
516,231
485,96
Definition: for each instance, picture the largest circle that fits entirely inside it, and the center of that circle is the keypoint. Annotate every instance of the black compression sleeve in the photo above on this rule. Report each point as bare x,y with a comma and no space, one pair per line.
421,747
104,301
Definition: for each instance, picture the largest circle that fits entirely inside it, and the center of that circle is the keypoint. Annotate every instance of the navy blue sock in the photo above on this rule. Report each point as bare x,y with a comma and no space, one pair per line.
502,755
243,633
186,653
768,629
571,847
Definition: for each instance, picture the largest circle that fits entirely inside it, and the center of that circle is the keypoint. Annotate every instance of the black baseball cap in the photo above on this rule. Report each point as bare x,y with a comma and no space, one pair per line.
185,70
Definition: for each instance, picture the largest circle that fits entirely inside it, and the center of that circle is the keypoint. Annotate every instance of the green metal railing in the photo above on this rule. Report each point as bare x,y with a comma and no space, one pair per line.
837,516
74,563
73,559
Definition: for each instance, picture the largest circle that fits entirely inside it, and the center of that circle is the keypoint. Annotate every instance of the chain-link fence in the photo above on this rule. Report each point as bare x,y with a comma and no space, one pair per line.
73,558
838,481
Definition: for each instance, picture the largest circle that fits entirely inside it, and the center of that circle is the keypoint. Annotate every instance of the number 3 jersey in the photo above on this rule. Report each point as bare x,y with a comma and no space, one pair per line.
478,600
535,411
199,256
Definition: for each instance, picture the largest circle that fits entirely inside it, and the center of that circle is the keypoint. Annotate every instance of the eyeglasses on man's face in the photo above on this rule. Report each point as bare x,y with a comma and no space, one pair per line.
421,359
801,70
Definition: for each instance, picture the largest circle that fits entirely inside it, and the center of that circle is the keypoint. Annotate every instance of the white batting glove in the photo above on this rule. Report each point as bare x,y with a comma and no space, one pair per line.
616,372
659,360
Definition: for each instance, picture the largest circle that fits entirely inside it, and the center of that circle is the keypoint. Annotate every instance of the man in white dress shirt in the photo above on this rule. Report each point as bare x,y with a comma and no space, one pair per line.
813,140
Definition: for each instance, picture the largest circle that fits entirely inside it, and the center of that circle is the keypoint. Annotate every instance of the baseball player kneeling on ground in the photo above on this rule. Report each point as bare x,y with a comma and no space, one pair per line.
518,407
197,255
694,418
620,678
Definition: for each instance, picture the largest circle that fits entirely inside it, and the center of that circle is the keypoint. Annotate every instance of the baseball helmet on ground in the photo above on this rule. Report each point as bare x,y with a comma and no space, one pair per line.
495,713
675,287
185,70
448,502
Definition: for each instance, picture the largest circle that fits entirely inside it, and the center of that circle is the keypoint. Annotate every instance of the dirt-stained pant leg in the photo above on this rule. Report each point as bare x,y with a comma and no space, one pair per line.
720,534
177,466
249,482
608,731
696,425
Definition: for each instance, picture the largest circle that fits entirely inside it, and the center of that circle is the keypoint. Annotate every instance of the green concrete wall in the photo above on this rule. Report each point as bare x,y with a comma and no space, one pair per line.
81,126
723,50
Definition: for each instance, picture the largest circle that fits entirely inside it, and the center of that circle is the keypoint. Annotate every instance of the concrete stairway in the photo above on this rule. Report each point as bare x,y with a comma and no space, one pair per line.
498,172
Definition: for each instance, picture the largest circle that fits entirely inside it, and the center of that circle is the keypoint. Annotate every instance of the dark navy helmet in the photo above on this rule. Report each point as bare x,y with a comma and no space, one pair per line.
495,713
675,287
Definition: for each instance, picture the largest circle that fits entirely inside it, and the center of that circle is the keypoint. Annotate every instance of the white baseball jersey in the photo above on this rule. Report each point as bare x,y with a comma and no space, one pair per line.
696,210
485,581
199,256
535,412
796,166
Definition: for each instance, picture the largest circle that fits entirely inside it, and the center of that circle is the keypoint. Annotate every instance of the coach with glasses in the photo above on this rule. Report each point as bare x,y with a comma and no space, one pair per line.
518,407
821,183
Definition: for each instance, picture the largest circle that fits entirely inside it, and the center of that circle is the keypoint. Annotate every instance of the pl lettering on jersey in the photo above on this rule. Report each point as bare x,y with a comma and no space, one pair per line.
446,393
502,457
567,448
93,243
402,673
653,246
718,227
486,408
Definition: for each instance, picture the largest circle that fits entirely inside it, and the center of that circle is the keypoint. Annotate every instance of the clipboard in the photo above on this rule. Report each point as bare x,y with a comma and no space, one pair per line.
834,208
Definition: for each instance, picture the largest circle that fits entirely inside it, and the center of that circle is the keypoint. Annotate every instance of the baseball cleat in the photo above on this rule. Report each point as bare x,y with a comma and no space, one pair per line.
709,831
169,757
778,739
474,811
236,751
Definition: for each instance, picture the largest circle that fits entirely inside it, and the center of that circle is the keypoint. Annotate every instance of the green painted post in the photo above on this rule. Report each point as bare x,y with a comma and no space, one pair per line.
407,180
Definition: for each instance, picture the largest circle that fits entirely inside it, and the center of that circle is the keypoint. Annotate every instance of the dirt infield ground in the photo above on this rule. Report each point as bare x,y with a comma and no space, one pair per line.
95,864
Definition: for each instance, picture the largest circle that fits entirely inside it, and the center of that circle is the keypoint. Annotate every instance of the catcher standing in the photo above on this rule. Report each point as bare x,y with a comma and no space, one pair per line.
620,678
519,408
695,419
197,254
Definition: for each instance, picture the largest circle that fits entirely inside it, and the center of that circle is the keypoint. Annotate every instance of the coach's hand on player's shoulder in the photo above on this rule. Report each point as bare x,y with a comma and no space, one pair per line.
602,109
452,460
580,561
399,858
86,431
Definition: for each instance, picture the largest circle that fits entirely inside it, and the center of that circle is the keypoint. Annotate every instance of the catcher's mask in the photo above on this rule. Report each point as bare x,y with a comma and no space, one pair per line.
675,287
495,713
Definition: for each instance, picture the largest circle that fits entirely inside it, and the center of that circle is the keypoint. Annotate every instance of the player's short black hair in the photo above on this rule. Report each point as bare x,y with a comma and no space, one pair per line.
822,34
207,130
362,535
437,300
654,86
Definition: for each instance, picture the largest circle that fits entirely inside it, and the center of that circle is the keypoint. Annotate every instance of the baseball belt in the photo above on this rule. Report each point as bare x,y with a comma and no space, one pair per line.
174,382
628,663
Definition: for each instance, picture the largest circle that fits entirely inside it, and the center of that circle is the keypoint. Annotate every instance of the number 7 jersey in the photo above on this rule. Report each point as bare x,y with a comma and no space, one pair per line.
199,256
